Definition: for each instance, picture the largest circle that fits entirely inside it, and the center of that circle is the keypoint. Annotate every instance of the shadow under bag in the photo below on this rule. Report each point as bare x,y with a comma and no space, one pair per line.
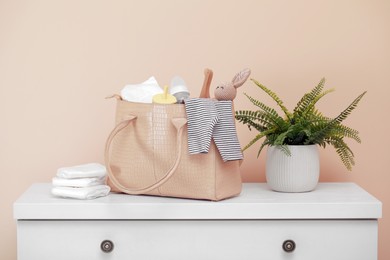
147,153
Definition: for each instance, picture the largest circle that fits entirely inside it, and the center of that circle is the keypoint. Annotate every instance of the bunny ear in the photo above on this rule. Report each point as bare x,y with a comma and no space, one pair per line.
241,77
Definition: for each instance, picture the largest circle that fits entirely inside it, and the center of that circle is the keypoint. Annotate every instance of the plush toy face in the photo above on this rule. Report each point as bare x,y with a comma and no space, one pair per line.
225,91
228,91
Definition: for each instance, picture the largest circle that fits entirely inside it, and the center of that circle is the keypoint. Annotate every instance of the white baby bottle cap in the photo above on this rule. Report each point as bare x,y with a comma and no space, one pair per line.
177,85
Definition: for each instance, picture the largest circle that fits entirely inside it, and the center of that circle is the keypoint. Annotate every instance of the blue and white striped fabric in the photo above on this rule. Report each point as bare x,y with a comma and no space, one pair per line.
208,119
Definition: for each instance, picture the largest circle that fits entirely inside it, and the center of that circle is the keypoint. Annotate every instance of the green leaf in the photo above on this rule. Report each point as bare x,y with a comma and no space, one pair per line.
344,131
258,137
344,152
275,98
262,106
343,115
265,143
309,97
311,105
270,113
326,129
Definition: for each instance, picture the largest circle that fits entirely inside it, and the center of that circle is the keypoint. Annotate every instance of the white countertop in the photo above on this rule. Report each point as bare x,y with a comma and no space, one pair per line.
257,201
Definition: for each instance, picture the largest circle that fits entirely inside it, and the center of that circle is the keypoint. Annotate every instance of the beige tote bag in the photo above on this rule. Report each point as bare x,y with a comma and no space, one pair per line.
147,153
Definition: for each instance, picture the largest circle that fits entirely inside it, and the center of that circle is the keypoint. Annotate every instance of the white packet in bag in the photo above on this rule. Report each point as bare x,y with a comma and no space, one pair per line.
143,92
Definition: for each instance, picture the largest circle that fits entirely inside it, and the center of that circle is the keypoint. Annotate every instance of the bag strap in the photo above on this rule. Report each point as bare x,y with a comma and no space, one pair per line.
177,122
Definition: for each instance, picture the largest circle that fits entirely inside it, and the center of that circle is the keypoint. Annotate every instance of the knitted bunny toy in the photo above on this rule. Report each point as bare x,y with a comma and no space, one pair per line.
228,90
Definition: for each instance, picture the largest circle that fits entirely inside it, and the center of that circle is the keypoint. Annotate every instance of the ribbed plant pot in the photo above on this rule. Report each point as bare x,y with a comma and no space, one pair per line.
296,173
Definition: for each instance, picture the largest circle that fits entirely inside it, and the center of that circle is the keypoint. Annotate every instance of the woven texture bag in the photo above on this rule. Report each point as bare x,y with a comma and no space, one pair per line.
147,153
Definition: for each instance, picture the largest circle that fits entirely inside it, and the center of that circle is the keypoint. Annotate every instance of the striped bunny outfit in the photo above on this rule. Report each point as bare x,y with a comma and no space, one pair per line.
208,119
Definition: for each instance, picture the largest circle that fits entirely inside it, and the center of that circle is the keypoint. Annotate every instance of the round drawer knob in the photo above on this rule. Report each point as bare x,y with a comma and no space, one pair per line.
289,246
107,246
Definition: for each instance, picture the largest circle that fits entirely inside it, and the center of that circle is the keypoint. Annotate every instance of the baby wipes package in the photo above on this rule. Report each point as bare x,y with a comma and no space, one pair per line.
142,92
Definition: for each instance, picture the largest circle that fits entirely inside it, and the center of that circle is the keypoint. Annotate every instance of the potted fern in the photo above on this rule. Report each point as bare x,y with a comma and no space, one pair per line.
292,162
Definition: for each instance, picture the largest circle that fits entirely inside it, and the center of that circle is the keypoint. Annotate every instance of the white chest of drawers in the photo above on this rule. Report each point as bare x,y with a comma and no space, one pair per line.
337,221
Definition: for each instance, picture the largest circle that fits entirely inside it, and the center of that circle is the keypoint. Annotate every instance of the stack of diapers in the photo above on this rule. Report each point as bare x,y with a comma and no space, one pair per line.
86,181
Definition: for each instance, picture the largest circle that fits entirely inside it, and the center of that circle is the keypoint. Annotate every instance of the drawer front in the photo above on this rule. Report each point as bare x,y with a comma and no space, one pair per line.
190,240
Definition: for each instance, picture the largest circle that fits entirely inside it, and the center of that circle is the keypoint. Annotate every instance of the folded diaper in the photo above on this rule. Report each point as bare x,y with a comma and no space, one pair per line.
81,193
79,182
143,92
90,170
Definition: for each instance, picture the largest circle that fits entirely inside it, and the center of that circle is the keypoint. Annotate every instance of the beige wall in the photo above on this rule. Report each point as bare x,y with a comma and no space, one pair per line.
59,59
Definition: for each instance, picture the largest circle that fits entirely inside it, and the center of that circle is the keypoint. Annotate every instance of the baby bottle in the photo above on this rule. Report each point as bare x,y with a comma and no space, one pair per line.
179,89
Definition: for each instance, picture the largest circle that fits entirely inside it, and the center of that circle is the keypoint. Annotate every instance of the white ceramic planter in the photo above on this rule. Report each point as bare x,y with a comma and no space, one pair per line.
296,173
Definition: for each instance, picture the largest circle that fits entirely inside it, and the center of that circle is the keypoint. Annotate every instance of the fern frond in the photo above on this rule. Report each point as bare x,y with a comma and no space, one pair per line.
344,152
275,97
270,113
262,106
309,97
315,116
281,138
265,143
327,128
310,107
345,131
343,115
320,129
258,137
247,116
251,124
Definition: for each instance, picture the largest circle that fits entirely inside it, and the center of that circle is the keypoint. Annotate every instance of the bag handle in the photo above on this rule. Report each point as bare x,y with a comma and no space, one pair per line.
177,122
